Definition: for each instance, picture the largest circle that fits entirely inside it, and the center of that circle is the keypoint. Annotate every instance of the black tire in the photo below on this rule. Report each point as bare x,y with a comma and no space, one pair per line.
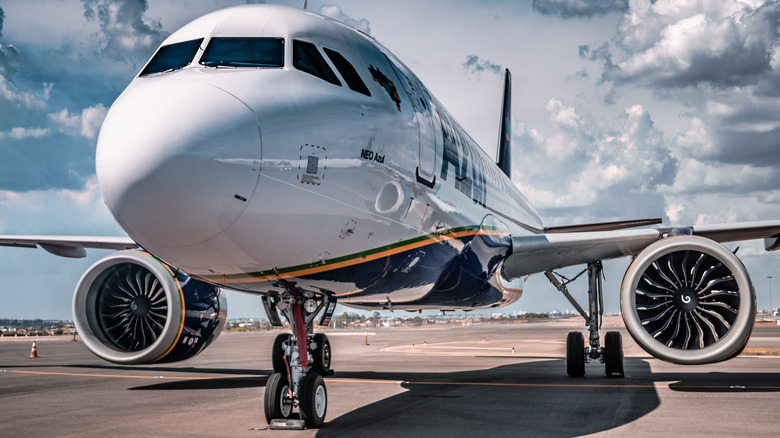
276,401
277,353
613,354
322,354
575,354
313,400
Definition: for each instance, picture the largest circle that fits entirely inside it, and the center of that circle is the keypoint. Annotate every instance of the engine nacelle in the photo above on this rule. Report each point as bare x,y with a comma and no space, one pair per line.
131,308
688,300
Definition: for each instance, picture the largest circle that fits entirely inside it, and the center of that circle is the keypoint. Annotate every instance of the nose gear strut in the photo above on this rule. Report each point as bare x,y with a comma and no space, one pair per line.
300,359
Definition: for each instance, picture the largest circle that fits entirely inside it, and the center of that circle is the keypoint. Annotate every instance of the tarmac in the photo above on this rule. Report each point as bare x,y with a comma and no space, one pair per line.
486,379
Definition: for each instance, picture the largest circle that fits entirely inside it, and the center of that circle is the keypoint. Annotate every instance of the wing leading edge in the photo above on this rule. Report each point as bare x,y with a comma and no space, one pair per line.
543,252
69,246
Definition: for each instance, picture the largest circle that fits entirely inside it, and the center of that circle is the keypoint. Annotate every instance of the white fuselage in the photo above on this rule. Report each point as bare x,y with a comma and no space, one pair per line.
242,176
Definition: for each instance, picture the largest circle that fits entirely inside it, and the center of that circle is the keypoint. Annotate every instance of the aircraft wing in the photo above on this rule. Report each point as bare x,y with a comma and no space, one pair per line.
68,246
543,252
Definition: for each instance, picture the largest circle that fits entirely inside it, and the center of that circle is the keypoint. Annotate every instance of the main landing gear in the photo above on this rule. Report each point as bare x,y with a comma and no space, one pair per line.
577,354
300,359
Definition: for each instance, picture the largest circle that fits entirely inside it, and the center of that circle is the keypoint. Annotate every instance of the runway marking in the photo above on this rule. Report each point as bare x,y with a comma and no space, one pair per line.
352,334
570,385
504,342
656,385
104,375
394,382
475,346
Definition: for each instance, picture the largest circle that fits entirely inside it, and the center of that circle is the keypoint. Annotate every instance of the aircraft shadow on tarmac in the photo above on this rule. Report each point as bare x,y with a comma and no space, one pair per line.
531,397
520,399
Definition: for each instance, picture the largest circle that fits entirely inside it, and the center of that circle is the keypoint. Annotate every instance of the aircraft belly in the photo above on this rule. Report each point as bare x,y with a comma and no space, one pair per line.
448,269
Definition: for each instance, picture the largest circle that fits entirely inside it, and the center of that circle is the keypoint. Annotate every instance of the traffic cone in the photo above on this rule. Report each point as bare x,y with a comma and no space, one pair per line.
34,352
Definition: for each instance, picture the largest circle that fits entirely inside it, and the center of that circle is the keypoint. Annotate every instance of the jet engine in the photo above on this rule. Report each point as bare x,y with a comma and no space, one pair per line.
688,300
131,308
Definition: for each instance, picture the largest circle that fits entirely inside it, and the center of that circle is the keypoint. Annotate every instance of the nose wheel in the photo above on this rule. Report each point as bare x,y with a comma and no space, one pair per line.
319,345
300,360
277,403
313,400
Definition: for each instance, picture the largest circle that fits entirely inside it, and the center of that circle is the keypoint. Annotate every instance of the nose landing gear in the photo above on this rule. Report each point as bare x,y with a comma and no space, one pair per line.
300,359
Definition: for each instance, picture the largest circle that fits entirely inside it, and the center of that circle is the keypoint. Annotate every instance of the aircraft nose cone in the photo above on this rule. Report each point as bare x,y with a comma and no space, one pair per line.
177,161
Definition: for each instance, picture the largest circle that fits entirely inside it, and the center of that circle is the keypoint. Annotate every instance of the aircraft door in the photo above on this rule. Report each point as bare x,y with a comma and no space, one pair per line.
430,139
429,135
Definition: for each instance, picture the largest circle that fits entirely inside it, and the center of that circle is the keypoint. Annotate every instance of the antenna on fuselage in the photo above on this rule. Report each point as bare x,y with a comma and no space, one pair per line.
305,4
504,157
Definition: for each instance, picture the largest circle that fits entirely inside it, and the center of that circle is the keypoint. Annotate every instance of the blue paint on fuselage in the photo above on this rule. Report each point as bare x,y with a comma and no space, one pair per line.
205,314
452,278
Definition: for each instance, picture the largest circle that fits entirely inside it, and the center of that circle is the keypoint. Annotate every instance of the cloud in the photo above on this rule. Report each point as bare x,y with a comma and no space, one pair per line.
562,115
56,211
579,8
695,176
87,124
684,43
126,33
11,98
335,12
15,99
594,171
476,66
10,57
20,133
717,63
44,147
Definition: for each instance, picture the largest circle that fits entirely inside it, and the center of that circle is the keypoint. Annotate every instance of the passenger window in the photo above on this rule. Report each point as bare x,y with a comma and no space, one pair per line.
172,57
307,58
244,52
347,72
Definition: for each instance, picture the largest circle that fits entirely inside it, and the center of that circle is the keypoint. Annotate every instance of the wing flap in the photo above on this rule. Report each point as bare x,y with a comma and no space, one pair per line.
69,246
739,231
603,226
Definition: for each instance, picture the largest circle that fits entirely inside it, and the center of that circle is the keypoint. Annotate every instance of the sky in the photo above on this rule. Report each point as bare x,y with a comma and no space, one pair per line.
622,109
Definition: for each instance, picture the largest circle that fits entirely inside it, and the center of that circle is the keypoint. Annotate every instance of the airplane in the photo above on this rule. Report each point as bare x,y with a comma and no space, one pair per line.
279,152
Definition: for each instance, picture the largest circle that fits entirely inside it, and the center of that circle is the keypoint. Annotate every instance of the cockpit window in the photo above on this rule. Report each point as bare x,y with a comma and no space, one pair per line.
347,72
307,58
172,57
244,52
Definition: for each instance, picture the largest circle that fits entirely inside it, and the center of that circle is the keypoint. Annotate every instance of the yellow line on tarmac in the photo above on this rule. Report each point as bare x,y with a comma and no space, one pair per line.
105,375
567,385
394,382
538,385
543,385
399,382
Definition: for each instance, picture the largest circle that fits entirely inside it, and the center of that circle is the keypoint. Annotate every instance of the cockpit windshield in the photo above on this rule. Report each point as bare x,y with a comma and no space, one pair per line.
244,52
172,57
